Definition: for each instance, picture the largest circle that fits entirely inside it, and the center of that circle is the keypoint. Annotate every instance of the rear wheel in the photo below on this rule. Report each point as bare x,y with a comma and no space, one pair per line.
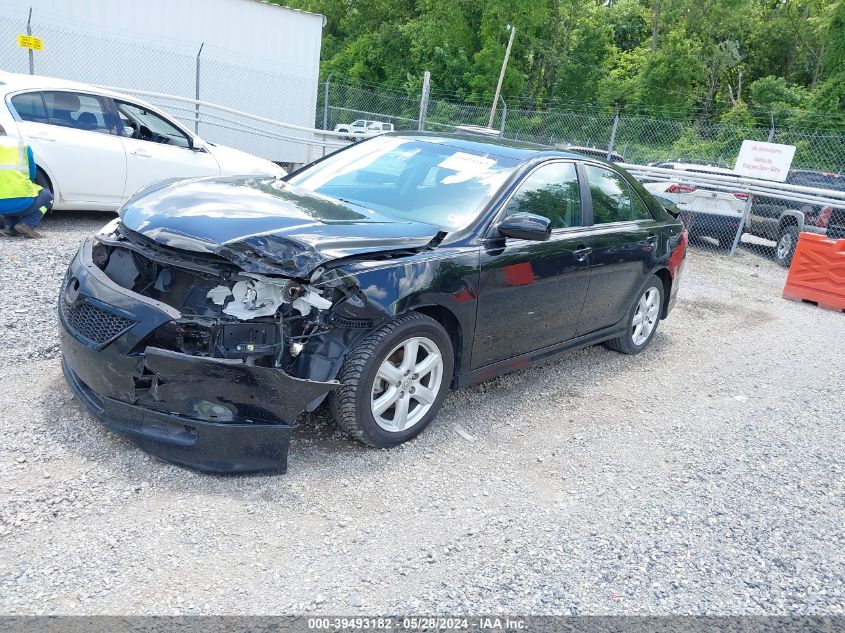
642,321
787,241
394,383
42,180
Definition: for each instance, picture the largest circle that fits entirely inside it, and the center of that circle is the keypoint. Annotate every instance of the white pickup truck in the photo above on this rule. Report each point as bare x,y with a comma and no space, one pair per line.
362,128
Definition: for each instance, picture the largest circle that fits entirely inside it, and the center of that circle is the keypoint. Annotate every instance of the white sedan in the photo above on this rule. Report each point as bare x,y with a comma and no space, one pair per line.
95,148
705,212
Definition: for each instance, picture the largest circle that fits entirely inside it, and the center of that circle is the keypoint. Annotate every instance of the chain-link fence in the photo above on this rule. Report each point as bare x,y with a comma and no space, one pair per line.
719,216
637,138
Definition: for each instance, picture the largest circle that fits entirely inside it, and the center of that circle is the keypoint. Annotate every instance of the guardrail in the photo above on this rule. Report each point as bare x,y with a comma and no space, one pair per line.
771,189
228,122
740,184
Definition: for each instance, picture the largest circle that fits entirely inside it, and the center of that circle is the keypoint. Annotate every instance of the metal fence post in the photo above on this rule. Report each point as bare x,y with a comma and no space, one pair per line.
772,129
326,103
326,110
504,117
612,142
29,32
742,221
197,92
426,88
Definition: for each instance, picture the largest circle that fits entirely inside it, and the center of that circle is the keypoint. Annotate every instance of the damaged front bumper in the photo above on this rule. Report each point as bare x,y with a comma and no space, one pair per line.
213,414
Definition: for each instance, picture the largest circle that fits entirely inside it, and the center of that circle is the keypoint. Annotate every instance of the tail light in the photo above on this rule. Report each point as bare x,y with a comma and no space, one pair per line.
675,188
743,196
823,218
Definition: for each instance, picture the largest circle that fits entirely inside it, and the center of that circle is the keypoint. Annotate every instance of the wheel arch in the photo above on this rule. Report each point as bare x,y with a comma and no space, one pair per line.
452,325
39,171
51,181
666,277
790,217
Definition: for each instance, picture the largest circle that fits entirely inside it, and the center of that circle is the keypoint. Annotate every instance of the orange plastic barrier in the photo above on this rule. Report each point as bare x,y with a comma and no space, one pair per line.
817,272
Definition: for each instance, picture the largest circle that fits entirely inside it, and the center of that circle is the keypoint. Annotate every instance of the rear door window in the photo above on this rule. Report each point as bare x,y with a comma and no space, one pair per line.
613,198
80,111
30,107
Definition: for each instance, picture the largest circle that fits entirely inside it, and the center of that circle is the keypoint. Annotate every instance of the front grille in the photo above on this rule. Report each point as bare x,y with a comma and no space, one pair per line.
93,325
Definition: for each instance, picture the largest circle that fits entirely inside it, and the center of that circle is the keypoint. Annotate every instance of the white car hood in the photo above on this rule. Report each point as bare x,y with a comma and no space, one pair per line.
234,162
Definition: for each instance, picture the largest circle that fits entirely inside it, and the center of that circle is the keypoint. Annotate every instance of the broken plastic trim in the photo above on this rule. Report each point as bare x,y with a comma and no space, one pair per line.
202,386
258,296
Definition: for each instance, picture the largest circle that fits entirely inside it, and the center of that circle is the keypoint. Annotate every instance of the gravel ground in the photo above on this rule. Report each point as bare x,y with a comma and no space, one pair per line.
704,476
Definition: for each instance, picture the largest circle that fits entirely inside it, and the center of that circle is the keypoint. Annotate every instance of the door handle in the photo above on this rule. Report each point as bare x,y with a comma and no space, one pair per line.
42,137
141,152
581,253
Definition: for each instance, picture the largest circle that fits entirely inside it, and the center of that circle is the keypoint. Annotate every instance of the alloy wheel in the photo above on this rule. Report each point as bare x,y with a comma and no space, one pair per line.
784,246
407,384
645,317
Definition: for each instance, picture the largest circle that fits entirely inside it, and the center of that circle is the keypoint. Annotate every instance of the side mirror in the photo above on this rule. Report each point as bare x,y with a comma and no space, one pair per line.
196,144
526,226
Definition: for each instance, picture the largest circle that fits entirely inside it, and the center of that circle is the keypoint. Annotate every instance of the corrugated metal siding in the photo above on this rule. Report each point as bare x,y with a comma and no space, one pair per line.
256,57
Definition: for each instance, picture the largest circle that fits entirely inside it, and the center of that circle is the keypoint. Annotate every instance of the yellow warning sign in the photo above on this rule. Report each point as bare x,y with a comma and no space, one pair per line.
31,42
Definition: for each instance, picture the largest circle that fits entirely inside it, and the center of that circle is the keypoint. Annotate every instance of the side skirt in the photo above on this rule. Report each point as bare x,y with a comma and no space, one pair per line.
538,356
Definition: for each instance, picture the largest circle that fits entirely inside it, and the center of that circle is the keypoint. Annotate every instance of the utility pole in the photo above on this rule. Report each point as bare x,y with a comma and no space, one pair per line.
501,76
426,89
612,141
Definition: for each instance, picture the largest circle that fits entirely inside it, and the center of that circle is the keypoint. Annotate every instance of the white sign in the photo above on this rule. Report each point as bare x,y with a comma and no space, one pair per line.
460,161
767,161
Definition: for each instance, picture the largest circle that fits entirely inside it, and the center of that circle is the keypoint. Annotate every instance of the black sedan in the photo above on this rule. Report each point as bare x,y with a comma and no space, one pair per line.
213,312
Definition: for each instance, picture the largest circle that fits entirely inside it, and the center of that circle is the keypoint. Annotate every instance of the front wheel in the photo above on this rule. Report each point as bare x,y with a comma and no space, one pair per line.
394,382
642,320
787,241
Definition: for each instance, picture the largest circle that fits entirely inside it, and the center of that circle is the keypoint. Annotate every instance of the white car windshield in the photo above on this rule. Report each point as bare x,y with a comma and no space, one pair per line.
426,181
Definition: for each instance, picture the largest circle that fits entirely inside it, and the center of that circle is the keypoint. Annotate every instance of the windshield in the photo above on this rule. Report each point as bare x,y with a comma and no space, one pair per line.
423,180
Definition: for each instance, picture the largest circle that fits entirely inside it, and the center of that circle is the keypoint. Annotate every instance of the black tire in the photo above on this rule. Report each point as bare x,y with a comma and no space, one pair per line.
625,344
351,402
42,180
784,252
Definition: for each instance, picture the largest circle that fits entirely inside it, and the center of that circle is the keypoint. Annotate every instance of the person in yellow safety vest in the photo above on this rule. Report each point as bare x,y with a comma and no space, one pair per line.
23,203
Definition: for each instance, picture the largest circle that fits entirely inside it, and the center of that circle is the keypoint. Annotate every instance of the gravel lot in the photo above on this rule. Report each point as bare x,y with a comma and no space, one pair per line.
704,476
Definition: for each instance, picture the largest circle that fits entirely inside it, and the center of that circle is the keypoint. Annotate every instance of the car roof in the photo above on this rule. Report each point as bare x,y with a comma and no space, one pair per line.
477,129
591,151
697,167
12,82
508,148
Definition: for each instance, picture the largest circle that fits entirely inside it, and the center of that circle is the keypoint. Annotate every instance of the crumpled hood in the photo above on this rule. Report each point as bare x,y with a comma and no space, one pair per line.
265,225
